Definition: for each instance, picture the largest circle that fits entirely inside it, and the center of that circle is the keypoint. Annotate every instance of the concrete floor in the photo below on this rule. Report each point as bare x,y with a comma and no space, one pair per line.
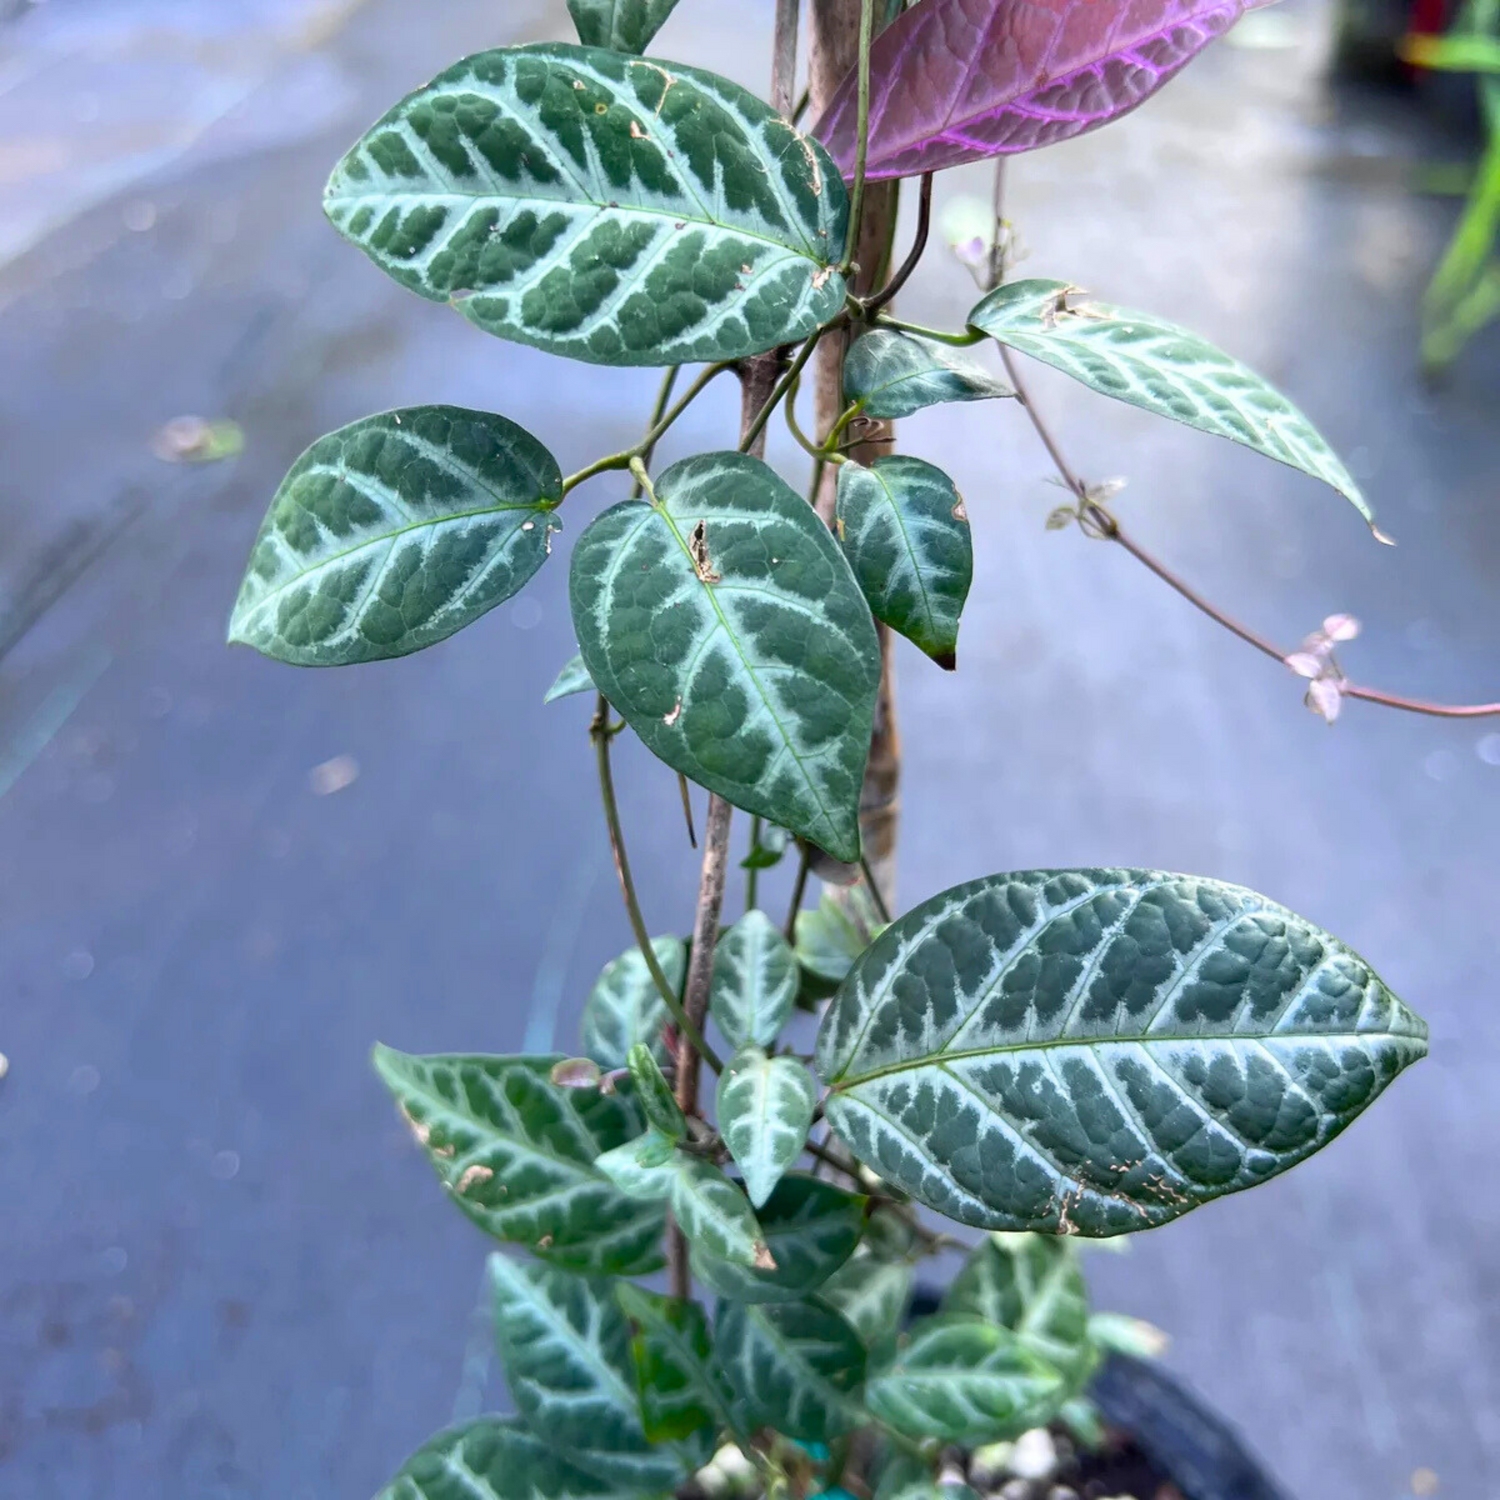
223,1271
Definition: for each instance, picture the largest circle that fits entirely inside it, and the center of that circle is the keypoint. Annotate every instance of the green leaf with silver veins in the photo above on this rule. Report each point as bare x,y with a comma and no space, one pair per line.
754,981
494,1458
682,1390
725,625
565,1344
962,1380
765,1110
517,1153
574,678
714,1214
655,1094
595,205
903,527
1033,1285
1098,1051
621,25
393,533
643,1168
795,1367
889,374
810,1227
1162,369
625,1007
872,1293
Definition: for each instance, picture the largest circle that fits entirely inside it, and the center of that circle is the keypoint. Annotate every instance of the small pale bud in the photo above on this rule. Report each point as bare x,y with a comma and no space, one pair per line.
1325,697
1061,518
576,1073
1341,627
1305,664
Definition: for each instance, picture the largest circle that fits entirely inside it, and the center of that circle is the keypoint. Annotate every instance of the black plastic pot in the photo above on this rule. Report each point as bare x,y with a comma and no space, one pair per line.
1201,1453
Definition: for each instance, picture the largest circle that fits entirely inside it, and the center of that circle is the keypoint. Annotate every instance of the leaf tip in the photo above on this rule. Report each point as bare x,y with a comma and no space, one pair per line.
947,660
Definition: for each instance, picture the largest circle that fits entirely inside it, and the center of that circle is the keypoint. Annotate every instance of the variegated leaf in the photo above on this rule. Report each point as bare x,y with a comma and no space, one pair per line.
810,1227
715,1216
494,1458
1162,369
795,1367
683,1394
625,1007
724,624
889,374
574,678
393,533
963,1380
754,981
1097,1051
903,527
1033,1285
517,1154
599,206
622,25
642,1168
872,1293
565,1344
765,1108
654,1093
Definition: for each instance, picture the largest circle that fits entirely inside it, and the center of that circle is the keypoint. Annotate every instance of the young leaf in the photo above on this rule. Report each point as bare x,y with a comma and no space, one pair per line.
765,1109
493,1458
682,1390
565,1344
768,850
810,1227
892,374
903,527
754,981
960,80
1162,369
725,625
872,1293
643,1168
1097,1051
574,678
1033,1285
625,1007
655,1094
393,533
828,940
622,25
962,1380
518,1155
795,1367
601,207
716,1216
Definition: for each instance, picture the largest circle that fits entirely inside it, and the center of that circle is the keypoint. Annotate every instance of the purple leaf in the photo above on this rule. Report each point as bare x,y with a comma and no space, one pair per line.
954,81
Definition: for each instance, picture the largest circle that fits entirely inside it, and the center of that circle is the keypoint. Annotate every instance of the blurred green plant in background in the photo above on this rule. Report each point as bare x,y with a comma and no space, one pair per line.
1464,293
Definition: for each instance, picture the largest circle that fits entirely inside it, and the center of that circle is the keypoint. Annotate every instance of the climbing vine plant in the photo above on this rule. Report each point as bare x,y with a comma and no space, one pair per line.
1036,1055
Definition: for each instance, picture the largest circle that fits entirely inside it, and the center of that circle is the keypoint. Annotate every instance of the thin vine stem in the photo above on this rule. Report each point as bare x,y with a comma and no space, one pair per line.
862,136
799,889
663,396
752,874
875,892
626,457
1099,523
757,424
957,340
914,259
599,732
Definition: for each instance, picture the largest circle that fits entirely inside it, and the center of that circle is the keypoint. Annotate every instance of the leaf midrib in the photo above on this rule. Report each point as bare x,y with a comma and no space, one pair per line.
384,537
708,591
943,1059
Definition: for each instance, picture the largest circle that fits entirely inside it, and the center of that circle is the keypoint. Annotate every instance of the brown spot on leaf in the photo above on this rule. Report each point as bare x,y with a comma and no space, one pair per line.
764,1260
960,511
476,1173
670,719
698,546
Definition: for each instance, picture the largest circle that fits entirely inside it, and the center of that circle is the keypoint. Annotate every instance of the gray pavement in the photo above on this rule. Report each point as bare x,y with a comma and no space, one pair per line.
223,1271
